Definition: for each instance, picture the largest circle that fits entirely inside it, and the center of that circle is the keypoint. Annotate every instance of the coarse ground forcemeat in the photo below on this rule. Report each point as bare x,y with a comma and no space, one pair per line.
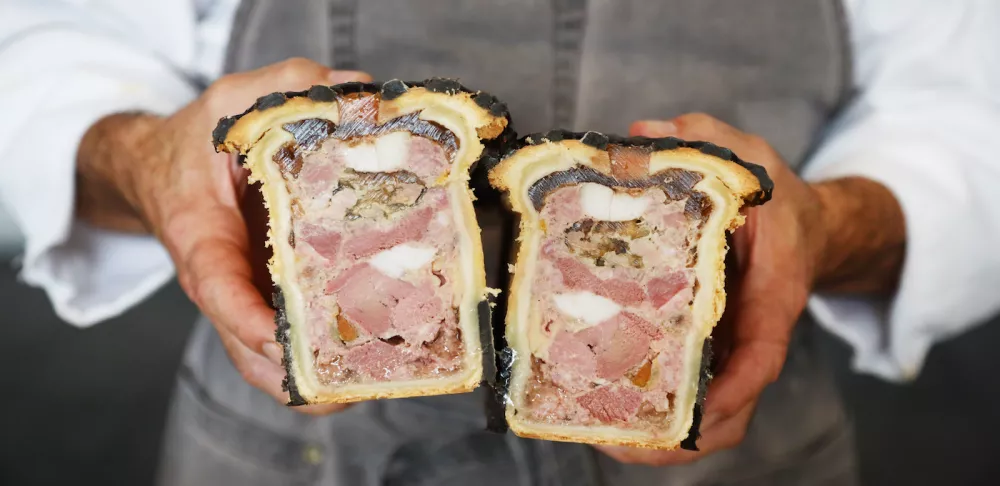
612,305
375,246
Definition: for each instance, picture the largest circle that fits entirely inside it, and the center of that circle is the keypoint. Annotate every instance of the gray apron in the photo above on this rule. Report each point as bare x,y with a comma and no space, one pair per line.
778,68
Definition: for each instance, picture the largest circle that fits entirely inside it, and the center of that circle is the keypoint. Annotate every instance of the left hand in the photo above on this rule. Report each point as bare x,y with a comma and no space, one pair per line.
776,253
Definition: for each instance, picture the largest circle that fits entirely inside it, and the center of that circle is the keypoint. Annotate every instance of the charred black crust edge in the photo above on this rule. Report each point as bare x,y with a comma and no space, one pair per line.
493,407
389,90
485,311
282,336
497,395
601,141
705,376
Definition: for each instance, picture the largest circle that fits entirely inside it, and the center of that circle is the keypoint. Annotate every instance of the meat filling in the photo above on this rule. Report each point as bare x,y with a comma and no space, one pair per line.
613,288
375,244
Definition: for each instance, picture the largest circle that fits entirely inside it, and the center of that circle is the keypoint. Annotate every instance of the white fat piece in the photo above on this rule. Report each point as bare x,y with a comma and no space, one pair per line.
388,153
605,204
588,308
398,260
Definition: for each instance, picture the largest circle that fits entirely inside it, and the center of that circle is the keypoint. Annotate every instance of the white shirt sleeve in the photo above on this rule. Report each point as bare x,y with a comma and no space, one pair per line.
924,125
64,65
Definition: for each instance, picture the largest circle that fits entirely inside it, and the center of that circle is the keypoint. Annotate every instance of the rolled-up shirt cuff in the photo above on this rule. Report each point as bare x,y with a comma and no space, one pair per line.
53,96
89,274
95,274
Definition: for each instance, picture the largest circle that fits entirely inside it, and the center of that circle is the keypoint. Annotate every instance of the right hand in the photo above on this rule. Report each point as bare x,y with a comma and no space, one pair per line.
189,197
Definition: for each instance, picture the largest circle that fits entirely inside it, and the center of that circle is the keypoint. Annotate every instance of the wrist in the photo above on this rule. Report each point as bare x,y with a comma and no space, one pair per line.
112,158
858,236
822,221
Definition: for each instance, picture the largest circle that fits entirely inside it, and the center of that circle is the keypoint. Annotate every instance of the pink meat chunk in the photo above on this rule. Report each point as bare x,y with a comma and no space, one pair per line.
612,403
418,316
379,360
427,159
385,307
628,347
316,180
411,227
606,350
661,290
367,297
576,275
325,242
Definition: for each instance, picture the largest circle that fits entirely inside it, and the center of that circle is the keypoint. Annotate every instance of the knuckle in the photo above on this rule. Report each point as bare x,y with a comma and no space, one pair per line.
216,101
189,286
698,119
757,141
295,68
727,408
216,90
247,373
777,365
696,124
773,374
760,145
734,439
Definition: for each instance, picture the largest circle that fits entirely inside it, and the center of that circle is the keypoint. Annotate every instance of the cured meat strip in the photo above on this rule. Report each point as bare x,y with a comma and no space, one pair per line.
618,282
370,219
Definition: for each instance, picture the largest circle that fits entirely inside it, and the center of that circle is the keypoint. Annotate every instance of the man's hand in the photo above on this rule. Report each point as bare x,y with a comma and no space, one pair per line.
141,172
841,235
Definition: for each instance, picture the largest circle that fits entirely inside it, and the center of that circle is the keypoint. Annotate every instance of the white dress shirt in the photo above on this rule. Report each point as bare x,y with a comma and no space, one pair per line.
927,112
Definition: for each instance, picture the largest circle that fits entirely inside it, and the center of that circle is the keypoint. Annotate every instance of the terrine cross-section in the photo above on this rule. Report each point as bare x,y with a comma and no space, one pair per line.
377,258
618,282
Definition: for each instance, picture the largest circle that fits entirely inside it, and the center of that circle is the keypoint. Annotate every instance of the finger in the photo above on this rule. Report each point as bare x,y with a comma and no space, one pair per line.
234,92
337,77
724,435
209,244
263,374
759,343
695,127
634,455
751,366
653,129
293,74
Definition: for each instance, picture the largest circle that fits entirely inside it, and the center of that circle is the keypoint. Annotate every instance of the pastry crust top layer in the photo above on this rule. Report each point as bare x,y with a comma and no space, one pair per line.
747,180
236,134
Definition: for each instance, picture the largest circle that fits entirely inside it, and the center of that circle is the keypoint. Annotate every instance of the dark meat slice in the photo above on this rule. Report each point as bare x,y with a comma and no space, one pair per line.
381,194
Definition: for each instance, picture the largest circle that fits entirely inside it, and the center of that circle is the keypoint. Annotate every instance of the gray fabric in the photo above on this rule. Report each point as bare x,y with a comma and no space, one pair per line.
222,431
774,67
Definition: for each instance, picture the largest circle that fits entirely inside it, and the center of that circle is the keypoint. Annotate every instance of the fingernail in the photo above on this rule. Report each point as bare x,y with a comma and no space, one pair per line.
273,352
658,128
337,77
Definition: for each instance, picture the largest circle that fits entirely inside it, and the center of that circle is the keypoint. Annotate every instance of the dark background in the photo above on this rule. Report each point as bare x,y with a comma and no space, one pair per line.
87,406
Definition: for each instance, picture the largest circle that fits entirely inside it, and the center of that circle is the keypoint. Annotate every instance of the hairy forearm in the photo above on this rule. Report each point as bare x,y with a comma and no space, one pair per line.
105,195
863,234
